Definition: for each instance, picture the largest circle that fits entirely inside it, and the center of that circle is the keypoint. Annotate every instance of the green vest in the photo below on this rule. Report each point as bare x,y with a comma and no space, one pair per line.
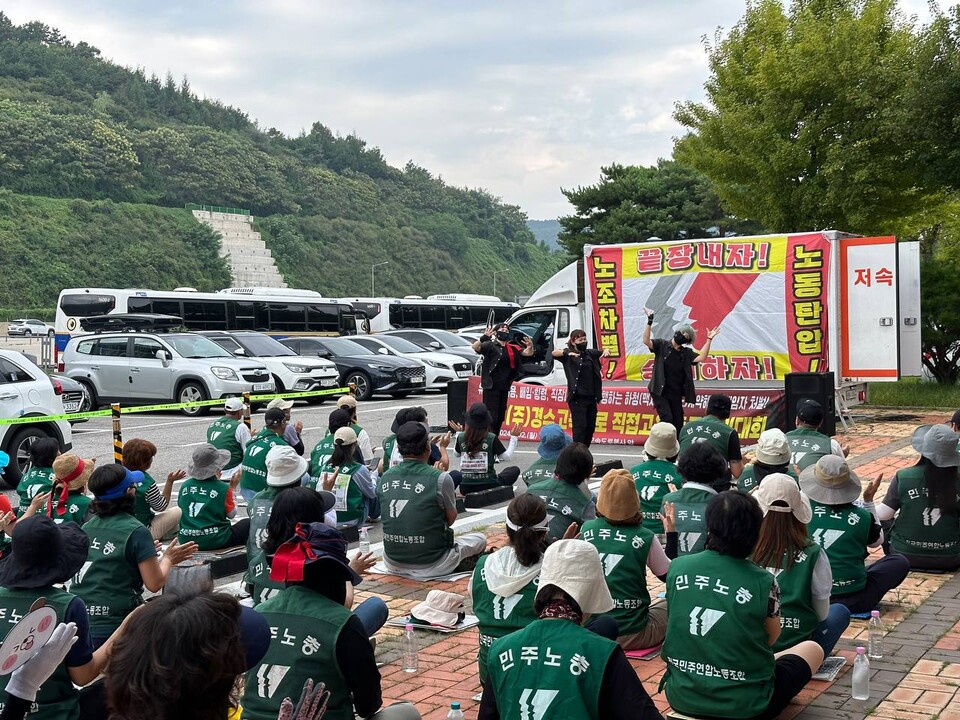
920,529
748,479
415,530
807,446
36,482
498,615
843,532
222,434
477,470
542,469
57,699
550,669
319,457
798,619
565,504
141,509
203,504
690,510
350,499
304,627
75,509
623,552
255,460
652,478
110,586
258,566
707,429
718,660
389,461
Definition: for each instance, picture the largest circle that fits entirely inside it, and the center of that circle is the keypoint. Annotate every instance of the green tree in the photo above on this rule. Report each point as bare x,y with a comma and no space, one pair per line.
804,127
940,322
670,201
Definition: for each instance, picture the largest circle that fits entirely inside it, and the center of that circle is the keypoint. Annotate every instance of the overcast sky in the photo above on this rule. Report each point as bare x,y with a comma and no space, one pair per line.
521,98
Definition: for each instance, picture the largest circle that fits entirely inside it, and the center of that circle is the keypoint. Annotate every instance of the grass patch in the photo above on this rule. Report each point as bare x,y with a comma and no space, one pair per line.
910,392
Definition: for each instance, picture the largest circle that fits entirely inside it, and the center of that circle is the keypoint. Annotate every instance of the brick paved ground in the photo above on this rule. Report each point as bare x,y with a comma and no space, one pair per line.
919,677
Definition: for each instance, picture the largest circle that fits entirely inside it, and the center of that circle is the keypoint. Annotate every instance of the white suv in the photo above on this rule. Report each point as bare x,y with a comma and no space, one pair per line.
291,372
26,391
29,328
141,367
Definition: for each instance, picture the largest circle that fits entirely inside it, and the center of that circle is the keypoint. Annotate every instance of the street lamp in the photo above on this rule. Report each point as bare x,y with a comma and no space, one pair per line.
498,272
373,292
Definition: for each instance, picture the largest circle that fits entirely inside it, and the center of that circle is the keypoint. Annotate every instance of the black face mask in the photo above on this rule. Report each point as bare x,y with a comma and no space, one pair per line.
680,339
503,336
580,346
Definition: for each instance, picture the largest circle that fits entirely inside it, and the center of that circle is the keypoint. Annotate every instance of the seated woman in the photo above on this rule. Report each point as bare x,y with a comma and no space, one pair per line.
552,442
657,473
846,531
928,489
303,506
353,484
323,450
724,620
315,634
479,449
183,656
567,495
39,479
505,582
772,456
122,558
801,567
703,473
571,672
207,504
69,501
628,549
153,505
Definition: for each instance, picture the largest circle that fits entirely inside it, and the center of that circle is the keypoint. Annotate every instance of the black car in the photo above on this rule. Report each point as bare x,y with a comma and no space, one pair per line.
371,372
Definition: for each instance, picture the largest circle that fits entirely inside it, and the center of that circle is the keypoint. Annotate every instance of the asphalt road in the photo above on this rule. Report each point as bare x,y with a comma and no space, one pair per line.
176,436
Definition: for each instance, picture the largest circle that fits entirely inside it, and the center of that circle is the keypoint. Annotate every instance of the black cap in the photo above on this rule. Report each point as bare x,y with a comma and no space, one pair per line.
412,438
810,411
719,406
956,418
274,417
339,418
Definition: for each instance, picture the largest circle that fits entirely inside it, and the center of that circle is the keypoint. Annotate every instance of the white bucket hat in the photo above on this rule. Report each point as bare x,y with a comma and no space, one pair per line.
780,493
441,608
284,466
280,403
662,442
574,566
773,448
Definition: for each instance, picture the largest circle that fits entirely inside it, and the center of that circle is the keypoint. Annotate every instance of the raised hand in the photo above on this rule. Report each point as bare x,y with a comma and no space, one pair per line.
712,333
669,517
177,553
571,532
870,491
647,311
362,562
176,475
517,430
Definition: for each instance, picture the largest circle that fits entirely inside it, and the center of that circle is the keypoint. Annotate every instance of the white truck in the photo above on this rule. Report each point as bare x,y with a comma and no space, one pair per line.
797,302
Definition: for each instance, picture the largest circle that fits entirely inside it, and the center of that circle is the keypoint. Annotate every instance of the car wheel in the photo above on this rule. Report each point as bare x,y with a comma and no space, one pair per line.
28,333
19,452
364,387
192,392
89,401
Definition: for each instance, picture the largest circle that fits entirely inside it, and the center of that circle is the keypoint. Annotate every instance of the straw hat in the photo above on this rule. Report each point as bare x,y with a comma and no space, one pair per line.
73,470
830,481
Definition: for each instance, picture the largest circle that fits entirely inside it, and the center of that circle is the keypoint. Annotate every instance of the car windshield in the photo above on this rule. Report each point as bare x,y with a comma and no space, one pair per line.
399,344
262,346
449,339
196,346
342,347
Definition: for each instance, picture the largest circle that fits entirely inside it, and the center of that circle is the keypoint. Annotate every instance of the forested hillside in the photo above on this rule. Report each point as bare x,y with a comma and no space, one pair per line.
73,125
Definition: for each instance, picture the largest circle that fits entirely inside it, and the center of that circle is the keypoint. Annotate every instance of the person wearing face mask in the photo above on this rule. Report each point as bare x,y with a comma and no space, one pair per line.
581,365
672,379
501,365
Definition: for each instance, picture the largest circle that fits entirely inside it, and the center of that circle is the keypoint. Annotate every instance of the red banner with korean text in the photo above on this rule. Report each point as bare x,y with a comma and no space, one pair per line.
767,294
625,414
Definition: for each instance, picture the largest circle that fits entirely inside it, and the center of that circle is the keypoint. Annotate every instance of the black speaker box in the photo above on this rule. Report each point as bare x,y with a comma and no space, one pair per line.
456,400
812,386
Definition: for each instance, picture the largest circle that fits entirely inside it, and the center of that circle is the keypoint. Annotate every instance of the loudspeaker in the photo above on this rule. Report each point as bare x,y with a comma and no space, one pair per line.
456,400
813,386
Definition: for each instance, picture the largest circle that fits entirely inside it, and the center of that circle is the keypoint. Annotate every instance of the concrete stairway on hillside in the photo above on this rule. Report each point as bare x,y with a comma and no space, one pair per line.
251,263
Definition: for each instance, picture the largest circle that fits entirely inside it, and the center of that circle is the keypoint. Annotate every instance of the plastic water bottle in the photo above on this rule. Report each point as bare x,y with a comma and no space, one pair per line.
409,650
875,636
861,675
364,540
455,712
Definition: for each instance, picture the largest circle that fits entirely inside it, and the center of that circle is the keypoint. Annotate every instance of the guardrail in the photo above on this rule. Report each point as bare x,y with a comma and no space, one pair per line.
217,208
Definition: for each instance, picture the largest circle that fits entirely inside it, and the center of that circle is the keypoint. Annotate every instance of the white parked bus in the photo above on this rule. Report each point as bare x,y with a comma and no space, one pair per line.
280,312
436,312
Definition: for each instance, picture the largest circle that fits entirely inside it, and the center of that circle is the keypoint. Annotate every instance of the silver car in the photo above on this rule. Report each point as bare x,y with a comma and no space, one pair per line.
29,328
143,368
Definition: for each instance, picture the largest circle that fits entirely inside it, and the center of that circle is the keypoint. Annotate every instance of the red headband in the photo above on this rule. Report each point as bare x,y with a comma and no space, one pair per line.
75,473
